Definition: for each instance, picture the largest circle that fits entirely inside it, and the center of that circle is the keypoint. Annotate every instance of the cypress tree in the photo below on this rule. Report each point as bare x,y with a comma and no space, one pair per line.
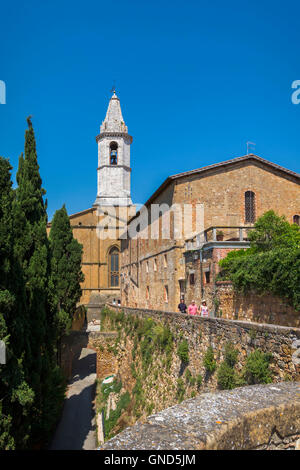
66,274
16,397
31,250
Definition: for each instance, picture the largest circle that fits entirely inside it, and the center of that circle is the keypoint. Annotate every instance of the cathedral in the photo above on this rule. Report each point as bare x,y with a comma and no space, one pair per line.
98,228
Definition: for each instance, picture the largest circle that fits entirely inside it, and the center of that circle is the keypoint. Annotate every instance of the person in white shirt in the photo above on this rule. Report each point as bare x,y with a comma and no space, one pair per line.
203,309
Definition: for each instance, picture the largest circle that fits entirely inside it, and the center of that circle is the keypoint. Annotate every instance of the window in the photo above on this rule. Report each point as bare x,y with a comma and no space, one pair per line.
113,151
165,261
113,264
147,293
192,279
147,266
155,265
249,207
166,293
296,219
207,277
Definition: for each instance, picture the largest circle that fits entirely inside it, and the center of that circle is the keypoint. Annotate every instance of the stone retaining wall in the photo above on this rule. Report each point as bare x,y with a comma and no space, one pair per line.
283,342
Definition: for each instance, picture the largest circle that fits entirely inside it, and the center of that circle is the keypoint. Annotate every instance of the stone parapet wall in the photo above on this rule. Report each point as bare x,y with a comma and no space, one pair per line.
253,307
263,417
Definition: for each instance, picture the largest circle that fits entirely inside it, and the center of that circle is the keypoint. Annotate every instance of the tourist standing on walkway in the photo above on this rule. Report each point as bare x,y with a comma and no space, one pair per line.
193,309
182,306
204,309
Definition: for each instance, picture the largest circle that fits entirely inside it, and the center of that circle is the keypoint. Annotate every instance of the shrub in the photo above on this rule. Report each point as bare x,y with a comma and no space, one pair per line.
256,369
183,351
209,360
199,380
189,377
226,376
180,390
231,354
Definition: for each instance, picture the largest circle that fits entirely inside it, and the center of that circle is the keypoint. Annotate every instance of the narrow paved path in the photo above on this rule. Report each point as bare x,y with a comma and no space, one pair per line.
77,429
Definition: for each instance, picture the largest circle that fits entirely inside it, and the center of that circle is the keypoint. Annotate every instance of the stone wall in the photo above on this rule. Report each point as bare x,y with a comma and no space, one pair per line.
70,349
262,417
283,342
253,307
146,356
102,343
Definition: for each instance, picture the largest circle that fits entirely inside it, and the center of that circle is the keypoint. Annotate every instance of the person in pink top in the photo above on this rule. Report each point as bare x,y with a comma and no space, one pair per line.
204,309
192,308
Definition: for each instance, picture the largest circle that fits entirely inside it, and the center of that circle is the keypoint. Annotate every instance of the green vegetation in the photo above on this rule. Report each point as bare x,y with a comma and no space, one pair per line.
227,379
65,271
31,384
209,360
180,390
256,369
227,376
271,264
183,351
231,354
122,404
189,378
199,380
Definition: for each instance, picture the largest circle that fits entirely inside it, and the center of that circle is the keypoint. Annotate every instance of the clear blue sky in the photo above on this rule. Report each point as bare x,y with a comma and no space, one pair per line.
196,80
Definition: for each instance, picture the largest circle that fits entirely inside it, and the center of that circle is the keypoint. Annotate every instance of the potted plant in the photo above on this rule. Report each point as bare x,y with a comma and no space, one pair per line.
220,235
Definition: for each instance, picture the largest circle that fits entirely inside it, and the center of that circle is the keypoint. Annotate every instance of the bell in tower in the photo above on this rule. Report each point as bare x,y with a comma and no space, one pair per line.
114,153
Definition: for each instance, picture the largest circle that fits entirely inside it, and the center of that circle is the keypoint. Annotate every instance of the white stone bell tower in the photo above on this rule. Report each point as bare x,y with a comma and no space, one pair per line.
113,158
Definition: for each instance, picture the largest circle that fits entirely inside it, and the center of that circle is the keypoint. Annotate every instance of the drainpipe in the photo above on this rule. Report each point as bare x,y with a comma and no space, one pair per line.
201,272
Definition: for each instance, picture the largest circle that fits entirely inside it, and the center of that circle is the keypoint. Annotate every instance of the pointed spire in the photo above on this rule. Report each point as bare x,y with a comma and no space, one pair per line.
113,121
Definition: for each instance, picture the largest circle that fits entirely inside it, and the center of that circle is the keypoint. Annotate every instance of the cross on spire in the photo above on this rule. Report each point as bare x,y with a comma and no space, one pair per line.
113,90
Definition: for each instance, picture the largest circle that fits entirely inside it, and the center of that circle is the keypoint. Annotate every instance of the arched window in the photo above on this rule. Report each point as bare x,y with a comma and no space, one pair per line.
249,207
113,152
113,264
296,219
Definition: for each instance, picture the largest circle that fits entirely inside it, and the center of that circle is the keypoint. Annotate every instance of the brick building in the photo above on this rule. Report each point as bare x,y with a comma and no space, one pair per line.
155,270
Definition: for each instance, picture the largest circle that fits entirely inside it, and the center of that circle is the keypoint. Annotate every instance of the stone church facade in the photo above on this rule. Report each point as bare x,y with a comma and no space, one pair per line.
98,228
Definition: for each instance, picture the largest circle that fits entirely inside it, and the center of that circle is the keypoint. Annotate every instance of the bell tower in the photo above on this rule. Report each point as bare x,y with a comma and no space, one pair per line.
113,173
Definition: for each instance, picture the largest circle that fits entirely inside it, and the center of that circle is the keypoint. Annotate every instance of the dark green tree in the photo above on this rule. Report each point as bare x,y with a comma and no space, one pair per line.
271,264
65,272
31,250
16,397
